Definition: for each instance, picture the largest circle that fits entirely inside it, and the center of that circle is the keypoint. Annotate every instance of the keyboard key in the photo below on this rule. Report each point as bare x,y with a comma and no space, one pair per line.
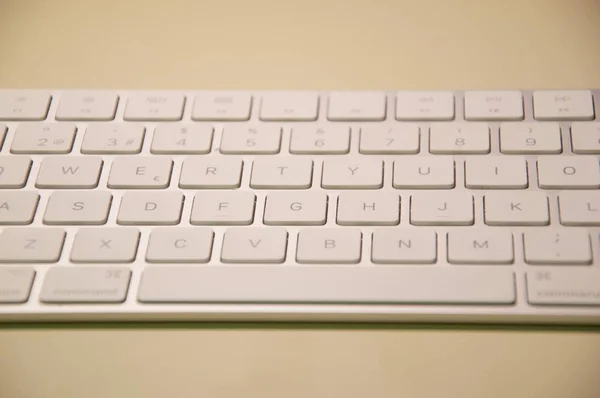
105,245
424,172
400,139
180,245
290,107
480,247
310,140
496,172
429,208
14,171
39,138
568,172
585,137
70,172
119,139
254,245
328,284
516,208
223,208
404,246
530,138
424,105
579,207
150,208
239,139
368,208
356,106
329,246
296,208
87,105
154,106
352,173
563,105
564,287
78,208
459,138
85,285
223,106
140,172
24,105
31,245
15,284
182,139
18,207
493,105
211,173
559,246
281,173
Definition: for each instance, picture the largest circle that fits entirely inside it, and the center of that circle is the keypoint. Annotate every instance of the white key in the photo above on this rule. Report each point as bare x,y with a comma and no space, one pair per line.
223,208
14,171
87,105
399,139
180,245
296,208
31,245
571,172
182,139
105,245
493,105
564,287
311,140
404,246
78,208
529,138
103,138
329,246
516,208
254,245
424,172
585,137
452,208
424,105
480,247
357,173
23,105
69,172
240,139
496,172
222,106
303,106
33,138
579,207
457,138
15,284
18,207
154,106
368,208
200,172
356,106
559,246
563,105
150,208
85,285
140,172
281,173
3,129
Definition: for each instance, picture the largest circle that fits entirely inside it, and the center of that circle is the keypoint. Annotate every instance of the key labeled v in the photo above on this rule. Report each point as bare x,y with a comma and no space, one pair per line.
254,243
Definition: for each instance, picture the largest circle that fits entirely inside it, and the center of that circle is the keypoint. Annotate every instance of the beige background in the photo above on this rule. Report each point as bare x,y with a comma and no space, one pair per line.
299,44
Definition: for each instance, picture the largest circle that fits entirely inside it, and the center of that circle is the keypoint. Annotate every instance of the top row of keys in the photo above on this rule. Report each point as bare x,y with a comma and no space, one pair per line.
298,106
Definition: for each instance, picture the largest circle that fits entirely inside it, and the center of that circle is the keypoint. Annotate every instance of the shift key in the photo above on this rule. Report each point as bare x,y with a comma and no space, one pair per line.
86,285
15,284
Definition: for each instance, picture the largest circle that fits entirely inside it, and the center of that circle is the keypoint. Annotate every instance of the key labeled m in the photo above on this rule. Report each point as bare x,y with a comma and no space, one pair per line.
481,245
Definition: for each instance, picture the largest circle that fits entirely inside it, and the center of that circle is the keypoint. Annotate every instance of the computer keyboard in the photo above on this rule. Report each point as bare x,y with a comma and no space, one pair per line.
446,206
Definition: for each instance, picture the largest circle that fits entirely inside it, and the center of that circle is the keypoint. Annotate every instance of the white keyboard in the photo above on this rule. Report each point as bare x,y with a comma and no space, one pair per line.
479,206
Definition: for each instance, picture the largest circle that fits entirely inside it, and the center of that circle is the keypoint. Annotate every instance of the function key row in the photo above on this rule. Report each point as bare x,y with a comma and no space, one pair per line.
298,106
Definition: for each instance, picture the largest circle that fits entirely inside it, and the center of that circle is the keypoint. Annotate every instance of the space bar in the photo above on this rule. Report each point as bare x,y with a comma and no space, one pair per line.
326,285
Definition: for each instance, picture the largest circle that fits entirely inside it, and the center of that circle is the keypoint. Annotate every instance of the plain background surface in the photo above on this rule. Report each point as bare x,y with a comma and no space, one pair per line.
285,45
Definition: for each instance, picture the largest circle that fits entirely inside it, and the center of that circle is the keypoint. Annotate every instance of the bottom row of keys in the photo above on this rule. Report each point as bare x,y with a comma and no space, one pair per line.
293,284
